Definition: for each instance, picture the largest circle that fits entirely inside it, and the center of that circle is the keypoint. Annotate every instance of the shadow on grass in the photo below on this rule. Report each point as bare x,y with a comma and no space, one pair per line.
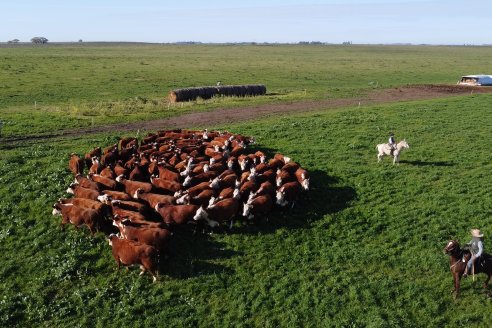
323,198
422,163
190,256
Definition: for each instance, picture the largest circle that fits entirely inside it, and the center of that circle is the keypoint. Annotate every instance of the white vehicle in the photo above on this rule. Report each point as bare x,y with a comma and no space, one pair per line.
477,80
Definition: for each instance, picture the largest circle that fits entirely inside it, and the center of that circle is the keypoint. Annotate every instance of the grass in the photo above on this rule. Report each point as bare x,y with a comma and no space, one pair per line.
362,249
50,88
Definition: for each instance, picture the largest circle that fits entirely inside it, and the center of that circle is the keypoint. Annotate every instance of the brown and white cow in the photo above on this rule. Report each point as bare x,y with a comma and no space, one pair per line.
82,192
223,211
288,193
176,214
103,182
303,178
165,185
153,199
129,252
258,206
76,164
157,237
78,216
132,186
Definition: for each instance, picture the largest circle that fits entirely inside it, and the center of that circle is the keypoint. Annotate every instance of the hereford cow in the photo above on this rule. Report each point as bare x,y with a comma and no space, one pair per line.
132,206
76,164
165,185
223,211
85,182
102,208
257,206
82,192
176,214
108,195
157,237
153,199
132,186
303,178
78,216
130,252
288,193
103,182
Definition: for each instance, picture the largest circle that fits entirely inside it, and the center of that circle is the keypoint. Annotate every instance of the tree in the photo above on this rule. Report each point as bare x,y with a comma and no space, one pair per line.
39,40
14,41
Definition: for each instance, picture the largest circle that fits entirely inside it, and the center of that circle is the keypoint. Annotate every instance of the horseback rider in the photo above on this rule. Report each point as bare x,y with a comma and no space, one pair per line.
476,249
392,143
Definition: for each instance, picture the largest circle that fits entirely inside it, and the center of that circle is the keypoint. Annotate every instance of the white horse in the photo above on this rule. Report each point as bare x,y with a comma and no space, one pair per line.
385,149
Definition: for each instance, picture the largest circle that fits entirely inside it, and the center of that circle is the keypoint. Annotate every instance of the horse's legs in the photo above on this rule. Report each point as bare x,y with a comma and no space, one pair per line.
456,277
486,283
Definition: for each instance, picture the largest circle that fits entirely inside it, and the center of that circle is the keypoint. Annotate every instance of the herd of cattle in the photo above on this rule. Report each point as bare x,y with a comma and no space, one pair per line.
139,193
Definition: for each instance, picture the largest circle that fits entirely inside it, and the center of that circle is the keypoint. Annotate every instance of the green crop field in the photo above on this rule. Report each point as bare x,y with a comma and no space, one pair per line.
363,248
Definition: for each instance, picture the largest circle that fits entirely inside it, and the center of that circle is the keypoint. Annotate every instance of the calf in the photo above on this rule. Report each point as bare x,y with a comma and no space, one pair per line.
139,223
76,164
78,216
134,253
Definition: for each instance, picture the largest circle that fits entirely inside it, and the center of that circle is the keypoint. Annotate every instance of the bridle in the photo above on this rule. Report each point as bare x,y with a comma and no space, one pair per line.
455,252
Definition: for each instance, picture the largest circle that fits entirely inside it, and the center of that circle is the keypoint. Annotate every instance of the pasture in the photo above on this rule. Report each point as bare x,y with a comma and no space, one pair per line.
363,248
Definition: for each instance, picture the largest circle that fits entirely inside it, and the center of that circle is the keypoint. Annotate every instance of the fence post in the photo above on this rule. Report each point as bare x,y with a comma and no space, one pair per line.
1,125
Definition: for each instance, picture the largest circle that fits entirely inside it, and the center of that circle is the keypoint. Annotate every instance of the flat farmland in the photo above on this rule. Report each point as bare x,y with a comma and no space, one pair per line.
363,248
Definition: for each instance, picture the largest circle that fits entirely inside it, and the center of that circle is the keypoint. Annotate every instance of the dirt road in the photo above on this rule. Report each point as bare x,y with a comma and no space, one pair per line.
231,115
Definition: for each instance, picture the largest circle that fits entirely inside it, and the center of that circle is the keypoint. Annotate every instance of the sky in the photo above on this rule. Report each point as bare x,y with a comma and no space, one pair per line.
218,21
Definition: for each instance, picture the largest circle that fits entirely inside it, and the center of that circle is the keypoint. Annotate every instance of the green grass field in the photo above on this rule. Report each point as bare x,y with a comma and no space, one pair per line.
362,249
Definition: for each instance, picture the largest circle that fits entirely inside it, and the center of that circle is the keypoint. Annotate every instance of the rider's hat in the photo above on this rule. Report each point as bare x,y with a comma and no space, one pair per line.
476,233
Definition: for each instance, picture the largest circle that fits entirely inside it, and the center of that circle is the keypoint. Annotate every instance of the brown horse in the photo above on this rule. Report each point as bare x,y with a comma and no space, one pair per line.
457,264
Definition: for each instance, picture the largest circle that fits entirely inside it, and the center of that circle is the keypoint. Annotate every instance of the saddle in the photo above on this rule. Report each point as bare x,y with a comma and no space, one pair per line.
483,259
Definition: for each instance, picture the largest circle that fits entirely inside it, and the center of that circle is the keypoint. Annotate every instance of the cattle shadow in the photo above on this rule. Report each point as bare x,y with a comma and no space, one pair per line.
190,255
323,198
423,163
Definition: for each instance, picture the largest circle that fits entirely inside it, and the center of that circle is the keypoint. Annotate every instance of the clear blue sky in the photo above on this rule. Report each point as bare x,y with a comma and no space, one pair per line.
334,21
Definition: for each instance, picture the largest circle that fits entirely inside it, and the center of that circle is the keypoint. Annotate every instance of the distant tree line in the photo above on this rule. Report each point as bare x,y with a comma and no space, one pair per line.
39,40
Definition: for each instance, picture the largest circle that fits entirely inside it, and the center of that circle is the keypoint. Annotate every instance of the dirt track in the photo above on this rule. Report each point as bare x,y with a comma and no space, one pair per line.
221,116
